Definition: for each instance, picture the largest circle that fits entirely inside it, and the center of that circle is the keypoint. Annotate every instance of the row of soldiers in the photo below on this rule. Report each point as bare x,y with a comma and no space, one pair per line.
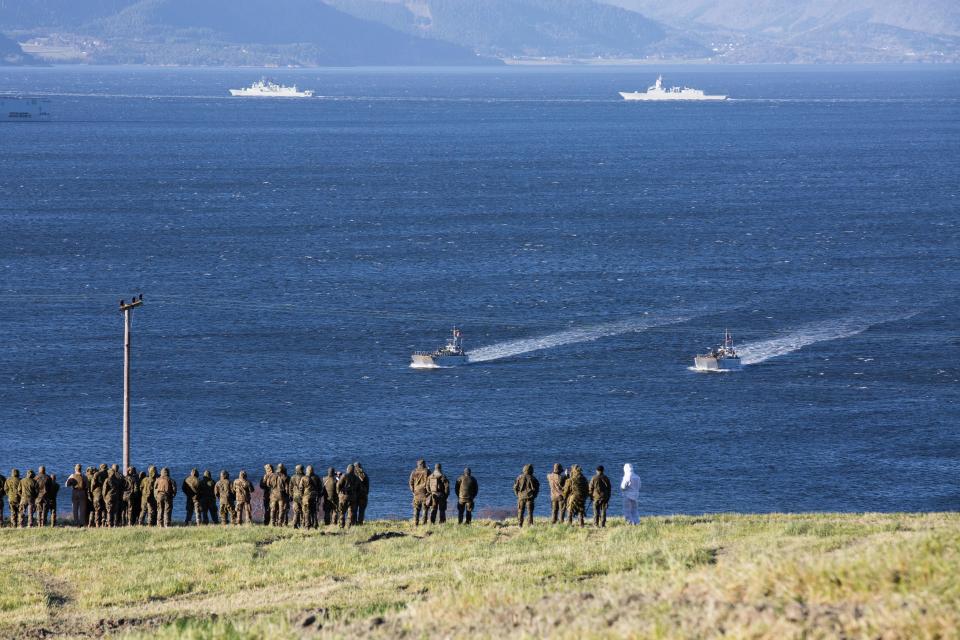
104,498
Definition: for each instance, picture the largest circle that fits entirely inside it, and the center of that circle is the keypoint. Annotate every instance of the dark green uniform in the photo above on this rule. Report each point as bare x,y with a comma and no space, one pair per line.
279,496
164,491
438,490
53,488
131,496
310,492
243,491
148,501
347,490
556,480
96,491
28,499
527,488
191,494
42,480
265,490
206,496
466,489
575,492
329,495
113,489
12,488
224,492
91,475
418,487
296,496
600,489
363,493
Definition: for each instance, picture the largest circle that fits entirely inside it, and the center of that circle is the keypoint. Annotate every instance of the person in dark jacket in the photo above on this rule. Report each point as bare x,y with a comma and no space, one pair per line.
527,488
466,489
600,489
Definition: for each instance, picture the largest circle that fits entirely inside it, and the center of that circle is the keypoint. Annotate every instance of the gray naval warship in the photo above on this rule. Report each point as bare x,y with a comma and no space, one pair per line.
720,358
449,355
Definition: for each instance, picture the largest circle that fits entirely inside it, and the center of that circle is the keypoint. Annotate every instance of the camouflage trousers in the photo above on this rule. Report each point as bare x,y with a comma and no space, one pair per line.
464,511
133,510
244,513
40,509
329,509
113,512
558,510
420,505
148,512
600,512
26,513
164,509
277,510
576,507
346,511
298,519
99,511
438,507
308,504
524,507
14,512
228,512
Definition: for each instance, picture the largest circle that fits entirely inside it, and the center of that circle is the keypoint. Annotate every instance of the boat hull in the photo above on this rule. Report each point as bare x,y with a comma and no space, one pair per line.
667,97
432,361
710,363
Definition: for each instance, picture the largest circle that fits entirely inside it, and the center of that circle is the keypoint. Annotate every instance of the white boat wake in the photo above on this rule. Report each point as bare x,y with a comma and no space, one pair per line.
570,336
836,329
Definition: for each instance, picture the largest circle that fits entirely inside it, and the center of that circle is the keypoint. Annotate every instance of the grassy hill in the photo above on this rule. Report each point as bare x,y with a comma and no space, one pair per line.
773,576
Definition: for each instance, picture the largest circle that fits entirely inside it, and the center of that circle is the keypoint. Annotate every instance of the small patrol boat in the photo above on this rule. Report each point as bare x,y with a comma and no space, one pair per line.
721,358
449,355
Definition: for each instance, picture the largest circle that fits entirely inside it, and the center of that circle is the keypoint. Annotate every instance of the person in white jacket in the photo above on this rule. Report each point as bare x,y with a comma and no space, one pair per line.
630,488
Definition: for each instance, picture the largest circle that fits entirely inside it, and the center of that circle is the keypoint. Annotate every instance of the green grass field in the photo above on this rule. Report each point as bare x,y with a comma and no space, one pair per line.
740,576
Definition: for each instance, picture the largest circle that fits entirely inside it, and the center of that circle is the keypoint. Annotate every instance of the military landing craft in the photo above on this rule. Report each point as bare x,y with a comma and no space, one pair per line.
449,355
720,358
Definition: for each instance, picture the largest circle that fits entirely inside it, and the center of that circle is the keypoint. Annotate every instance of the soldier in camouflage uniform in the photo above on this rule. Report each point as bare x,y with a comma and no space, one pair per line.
224,492
279,495
265,489
575,492
438,490
296,496
99,507
347,490
556,480
12,488
51,504
91,475
78,498
28,499
308,498
363,492
207,498
42,481
164,491
329,495
113,496
466,489
131,496
148,501
191,490
600,489
243,490
527,488
418,487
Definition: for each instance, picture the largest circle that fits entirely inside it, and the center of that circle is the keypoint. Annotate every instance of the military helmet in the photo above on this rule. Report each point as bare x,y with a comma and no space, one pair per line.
41,469
298,468
224,475
309,469
243,474
349,468
437,467
206,473
331,472
165,472
268,467
600,468
281,468
194,472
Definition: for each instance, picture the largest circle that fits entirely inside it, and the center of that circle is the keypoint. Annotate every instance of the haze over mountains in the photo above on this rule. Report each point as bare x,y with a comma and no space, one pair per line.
458,32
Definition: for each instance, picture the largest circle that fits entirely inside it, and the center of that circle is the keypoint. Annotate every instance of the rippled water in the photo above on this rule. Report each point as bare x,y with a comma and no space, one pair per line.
293,254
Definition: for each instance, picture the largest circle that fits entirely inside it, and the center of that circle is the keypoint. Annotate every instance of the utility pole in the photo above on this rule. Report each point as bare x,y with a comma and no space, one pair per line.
127,309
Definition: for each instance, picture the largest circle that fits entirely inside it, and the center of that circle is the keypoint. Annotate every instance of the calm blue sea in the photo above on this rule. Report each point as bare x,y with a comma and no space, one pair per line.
293,253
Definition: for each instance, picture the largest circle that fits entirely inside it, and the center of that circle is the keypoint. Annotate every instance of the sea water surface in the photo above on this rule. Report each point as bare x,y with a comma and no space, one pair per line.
292,253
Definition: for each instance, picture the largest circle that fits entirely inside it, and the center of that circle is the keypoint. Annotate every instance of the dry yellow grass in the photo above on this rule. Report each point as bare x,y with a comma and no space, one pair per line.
740,576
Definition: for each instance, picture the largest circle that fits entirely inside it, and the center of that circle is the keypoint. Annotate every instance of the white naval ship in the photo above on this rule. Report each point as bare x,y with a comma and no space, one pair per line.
721,358
23,109
657,92
264,88
449,355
